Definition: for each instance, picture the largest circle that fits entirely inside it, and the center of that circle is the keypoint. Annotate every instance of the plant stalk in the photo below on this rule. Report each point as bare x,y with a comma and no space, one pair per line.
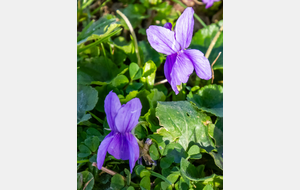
113,173
161,82
213,42
212,70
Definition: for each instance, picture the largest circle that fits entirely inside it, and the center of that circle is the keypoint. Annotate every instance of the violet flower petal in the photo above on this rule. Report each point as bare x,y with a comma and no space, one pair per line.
168,25
134,150
162,40
103,149
181,71
184,28
119,147
128,115
111,105
209,3
170,60
200,62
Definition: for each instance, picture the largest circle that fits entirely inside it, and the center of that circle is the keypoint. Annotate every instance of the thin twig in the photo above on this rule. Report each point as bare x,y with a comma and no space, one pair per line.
87,183
104,169
213,42
212,71
161,82
133,36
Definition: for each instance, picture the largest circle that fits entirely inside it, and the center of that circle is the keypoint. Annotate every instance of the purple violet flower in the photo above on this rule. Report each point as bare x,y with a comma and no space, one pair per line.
180,62
121,120
209,3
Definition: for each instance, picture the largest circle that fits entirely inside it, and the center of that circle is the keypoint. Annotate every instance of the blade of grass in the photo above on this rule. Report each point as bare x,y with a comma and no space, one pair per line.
98,41
160,176
80,36
136,48
97,118
87,4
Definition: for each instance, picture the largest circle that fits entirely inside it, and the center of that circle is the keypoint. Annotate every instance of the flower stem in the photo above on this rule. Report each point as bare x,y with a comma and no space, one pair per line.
196,16
213,42
136,48
161,82
113,173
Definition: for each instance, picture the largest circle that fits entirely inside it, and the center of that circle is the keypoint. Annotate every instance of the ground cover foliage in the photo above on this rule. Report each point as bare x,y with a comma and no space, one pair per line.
180,136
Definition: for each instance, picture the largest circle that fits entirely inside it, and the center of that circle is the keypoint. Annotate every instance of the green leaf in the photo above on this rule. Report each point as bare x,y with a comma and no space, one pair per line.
167,136
113,30
84,151
209,99
121,43
202,40
185,123
165,186
92,143
166,162
79,181
189,171
158,139
150,53
145,183
104,178
87,98
140,132
134,86
93,132
148,77
215,180
173,177
117,182
194,152
144,173
87,180
160,176
135,71
100,69
183,184
120,81
166,172
138,169
176,151
128,177
153,97
216,134
99,27
93,158
130,188
154,152
208,187
218,158
219,123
